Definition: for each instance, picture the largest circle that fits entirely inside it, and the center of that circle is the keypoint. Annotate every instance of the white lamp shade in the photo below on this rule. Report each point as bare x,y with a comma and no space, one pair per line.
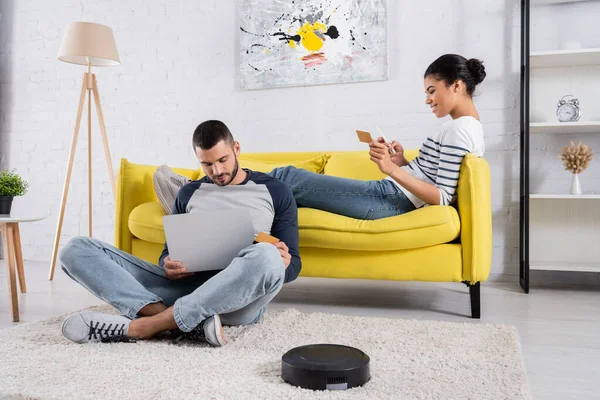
85,41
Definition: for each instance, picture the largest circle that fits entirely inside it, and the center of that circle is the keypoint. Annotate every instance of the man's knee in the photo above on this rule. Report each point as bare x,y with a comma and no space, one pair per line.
77,246
268,259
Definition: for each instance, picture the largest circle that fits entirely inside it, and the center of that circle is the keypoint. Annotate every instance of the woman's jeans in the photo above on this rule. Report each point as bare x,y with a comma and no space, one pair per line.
350,197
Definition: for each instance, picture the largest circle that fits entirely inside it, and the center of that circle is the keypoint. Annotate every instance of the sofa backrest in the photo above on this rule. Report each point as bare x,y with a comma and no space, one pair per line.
345,164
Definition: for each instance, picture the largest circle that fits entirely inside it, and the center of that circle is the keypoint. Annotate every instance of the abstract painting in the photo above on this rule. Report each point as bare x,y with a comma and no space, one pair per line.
312,42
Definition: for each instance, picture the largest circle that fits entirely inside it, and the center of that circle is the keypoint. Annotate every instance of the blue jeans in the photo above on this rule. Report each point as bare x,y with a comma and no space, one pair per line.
239,293
350,197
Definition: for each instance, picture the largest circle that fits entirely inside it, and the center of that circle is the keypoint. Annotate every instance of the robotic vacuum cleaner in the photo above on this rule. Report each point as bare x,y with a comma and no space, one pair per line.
325,367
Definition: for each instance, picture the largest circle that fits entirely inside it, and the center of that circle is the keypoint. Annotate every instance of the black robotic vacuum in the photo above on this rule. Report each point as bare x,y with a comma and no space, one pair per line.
325,367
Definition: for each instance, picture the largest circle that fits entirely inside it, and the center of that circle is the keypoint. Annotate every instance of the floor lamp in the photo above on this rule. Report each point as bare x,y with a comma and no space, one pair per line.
87,44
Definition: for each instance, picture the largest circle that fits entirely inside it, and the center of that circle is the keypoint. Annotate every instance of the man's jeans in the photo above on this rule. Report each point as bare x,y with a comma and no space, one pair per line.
350,197
239,293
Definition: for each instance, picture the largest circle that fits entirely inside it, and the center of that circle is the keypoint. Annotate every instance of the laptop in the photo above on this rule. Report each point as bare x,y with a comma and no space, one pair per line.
206,240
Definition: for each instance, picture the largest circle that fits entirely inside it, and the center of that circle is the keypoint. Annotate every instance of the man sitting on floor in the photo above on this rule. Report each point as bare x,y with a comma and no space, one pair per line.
166,297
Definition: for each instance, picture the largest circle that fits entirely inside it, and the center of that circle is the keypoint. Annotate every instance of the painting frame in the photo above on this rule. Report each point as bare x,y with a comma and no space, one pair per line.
312,42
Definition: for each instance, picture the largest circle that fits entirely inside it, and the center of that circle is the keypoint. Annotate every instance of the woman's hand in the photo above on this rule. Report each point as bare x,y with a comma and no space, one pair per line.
380,155
398,158
397,154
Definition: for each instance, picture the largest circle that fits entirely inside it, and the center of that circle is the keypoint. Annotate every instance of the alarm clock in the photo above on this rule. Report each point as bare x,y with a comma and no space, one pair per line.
568,110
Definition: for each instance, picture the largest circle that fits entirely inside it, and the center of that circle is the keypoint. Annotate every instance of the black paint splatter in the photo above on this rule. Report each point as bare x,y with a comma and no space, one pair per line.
286,37
255,34
332,32
354,40
294,20
279,19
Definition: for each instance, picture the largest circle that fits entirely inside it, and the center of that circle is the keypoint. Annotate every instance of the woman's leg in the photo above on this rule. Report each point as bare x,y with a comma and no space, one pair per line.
350,197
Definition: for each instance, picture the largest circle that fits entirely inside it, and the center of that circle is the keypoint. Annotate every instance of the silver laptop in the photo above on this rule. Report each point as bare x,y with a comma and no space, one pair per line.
205,240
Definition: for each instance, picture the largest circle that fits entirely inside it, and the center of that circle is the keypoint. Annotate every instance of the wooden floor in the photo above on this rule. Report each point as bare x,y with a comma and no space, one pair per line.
559,327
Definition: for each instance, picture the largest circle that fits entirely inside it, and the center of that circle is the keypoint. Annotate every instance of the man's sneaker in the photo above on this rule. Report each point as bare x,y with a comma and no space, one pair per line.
90,326
166,185
210,331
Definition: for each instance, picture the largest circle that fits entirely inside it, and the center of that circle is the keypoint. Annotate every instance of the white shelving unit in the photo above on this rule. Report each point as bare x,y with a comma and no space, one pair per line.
562,229
565,127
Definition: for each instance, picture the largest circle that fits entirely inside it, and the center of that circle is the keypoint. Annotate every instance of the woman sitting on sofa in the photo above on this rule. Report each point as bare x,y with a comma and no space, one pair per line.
430,179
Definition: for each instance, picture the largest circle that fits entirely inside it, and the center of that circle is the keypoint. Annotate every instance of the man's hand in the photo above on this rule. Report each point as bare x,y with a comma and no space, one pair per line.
380,155
175,269
284,251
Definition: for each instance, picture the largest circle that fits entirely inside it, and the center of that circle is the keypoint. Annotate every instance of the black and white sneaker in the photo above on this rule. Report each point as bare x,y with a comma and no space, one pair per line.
210,331
90,326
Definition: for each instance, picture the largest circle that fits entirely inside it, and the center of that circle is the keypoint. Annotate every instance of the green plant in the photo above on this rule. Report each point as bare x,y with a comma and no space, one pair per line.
11,184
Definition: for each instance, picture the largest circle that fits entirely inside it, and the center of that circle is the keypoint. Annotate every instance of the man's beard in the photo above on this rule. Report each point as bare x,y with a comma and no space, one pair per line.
233,175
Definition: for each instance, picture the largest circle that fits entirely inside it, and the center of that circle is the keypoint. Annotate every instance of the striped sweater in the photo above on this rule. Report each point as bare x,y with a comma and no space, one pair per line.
441,155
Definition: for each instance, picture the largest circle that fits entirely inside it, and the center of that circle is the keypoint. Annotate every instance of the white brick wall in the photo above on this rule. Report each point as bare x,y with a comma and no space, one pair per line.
179,68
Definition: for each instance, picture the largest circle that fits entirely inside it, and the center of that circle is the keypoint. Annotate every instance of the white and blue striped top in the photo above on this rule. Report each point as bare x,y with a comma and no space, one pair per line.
441,155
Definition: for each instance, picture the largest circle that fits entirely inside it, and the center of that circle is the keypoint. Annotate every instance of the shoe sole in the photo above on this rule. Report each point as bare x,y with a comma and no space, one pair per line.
219,332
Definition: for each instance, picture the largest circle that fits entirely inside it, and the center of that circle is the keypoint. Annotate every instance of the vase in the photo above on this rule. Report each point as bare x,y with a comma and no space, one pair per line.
575,186
5,205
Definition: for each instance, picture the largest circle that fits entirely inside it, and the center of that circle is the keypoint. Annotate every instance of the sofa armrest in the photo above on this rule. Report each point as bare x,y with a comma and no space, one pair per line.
475,211
134,187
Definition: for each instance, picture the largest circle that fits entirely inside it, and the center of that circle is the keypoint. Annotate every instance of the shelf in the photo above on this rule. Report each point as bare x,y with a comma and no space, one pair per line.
564,58
565,266
565,196
541,2
565,127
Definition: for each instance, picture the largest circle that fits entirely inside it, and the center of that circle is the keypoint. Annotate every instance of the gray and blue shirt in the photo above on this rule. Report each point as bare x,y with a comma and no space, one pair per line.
270,202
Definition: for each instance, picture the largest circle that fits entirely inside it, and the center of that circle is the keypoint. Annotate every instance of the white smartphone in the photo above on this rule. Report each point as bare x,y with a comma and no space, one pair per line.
384,138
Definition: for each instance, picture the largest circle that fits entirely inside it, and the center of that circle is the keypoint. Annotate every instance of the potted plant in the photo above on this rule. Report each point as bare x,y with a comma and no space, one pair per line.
11,185
576,160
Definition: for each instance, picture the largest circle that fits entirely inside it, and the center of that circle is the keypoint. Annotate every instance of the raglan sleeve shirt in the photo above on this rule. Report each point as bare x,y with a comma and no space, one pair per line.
285,224
455,143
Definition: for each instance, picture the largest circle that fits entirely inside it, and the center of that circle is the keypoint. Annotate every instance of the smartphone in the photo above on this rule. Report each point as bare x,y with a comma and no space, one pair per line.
387,141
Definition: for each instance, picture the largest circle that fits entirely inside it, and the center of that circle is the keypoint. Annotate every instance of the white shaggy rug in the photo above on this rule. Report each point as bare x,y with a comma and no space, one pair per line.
409,359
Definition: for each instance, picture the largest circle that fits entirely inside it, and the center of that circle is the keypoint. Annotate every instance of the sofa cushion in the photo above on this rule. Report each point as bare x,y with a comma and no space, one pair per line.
352,164
145,222
315,164
356,165
423,227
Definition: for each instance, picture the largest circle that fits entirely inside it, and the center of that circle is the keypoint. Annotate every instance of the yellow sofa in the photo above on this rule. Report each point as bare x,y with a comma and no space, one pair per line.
435,243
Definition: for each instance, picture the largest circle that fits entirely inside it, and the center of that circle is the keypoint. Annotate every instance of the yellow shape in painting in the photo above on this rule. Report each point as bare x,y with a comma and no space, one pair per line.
267,51
292,44
310,40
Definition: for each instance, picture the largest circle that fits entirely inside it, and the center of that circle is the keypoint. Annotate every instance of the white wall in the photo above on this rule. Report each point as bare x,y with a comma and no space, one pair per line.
179,68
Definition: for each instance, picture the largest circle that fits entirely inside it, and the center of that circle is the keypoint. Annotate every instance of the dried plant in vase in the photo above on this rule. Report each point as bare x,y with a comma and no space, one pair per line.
576,159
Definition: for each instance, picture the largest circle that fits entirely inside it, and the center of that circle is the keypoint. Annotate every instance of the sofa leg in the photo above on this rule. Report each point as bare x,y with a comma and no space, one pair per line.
475,299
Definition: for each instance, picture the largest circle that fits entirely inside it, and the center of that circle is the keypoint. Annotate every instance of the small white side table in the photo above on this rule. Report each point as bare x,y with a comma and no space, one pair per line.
9,227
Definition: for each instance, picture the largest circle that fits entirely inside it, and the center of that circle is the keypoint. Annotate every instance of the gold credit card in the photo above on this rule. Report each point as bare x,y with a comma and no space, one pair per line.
364,137
265,238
